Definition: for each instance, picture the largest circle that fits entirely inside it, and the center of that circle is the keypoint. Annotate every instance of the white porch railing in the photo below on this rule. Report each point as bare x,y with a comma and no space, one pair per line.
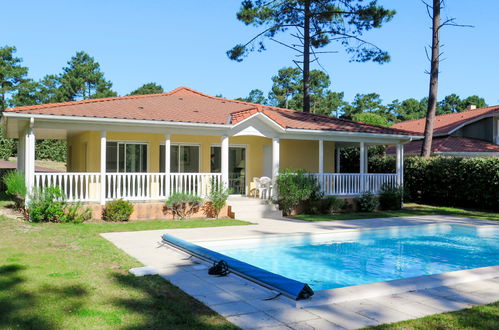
82,187
344,184
85,187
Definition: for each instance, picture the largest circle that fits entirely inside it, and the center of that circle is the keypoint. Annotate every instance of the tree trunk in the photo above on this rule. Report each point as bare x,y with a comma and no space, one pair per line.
432,97
306,58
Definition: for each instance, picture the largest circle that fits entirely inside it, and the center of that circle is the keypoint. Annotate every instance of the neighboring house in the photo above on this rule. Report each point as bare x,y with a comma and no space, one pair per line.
474,132
144,147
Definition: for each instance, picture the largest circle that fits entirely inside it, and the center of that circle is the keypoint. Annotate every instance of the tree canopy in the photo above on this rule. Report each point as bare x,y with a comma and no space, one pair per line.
12,74
149,88
314,24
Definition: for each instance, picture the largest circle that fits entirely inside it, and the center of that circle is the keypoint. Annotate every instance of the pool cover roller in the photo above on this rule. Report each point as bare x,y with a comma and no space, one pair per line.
294,289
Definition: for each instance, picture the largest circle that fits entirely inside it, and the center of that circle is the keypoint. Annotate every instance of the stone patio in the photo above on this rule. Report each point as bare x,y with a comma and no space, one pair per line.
251,306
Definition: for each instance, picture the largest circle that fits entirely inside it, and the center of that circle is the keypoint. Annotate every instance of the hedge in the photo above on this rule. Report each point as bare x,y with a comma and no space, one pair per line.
447,181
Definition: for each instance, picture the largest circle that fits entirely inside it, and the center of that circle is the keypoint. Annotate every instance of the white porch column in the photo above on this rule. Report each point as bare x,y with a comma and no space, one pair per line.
366,159
29,160
225,160
103,147
21,153
400,164
338,160
362,167
275,162
321,156
168,143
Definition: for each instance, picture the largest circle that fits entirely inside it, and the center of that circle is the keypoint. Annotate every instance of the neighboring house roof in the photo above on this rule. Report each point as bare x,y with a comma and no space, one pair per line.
447,123
451,145
8,165
187,105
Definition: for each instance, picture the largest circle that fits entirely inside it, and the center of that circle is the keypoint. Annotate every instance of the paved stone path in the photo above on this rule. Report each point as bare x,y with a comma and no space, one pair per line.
245,303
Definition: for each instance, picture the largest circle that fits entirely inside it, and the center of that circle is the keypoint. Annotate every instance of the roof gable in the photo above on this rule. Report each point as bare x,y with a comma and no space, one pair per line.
447,123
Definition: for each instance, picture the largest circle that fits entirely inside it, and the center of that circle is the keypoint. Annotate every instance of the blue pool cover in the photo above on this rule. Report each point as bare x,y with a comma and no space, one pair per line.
294,289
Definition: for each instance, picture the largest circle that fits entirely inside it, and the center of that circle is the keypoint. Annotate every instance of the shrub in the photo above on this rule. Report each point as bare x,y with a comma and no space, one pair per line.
218,196
449,181
118,210
15,187
183,205
326,205
47,205
8,147
55,150
391,197
74,214
295,187
367,202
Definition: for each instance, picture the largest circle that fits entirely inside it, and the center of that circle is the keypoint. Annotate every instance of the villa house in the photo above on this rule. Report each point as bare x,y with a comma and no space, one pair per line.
144,147
474,132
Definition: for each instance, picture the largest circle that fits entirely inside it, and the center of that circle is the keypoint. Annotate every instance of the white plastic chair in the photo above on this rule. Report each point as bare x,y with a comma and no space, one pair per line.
264,187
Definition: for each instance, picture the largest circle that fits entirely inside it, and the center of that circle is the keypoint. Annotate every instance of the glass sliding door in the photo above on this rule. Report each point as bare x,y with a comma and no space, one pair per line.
124,157
237,167
183,159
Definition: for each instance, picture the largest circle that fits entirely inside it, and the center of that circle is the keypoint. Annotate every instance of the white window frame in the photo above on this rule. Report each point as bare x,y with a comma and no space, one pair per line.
130,142
183,144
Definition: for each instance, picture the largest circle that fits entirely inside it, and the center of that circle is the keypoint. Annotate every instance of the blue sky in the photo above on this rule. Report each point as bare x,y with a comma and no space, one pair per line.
184,42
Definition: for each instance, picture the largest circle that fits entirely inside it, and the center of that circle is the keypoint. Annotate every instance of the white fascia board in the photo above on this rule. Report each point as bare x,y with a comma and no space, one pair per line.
112,120
325,133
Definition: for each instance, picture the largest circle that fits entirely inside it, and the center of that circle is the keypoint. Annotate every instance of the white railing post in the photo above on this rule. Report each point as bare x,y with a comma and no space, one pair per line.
103,146
225,160
168,142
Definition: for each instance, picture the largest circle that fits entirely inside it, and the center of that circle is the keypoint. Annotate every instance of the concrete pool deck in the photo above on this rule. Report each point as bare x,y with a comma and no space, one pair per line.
245,303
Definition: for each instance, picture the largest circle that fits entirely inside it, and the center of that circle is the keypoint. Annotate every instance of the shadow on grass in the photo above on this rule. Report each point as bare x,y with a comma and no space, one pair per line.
20,307
163,305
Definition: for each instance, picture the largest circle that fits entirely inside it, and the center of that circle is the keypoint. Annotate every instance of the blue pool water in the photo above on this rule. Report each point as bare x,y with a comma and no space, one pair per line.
327,261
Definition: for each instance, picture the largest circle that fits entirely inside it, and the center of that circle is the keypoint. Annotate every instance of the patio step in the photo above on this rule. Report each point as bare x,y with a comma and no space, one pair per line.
252,209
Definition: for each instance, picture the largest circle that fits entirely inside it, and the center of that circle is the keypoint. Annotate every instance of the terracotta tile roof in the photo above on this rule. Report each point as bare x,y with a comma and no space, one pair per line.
449,144
447,122
187,105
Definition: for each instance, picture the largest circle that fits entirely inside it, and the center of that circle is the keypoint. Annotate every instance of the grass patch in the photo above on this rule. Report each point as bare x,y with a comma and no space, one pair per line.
65,276
478,317
410,209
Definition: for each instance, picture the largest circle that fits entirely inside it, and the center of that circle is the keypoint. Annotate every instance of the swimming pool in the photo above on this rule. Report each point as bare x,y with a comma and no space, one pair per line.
354,257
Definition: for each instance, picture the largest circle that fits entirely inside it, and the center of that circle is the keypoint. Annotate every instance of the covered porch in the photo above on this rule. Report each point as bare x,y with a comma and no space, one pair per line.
138,165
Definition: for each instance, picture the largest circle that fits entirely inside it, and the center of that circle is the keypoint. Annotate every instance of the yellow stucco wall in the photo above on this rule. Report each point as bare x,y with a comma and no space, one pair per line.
293,153
305,154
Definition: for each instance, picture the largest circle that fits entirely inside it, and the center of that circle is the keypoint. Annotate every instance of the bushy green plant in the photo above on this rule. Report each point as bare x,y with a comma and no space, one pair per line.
294,187
218,196
367,202
47,205
15,188
183,205
118,210
50,205
391,197
75,213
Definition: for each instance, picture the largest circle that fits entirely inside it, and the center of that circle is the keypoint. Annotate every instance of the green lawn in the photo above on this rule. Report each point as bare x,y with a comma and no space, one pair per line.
409,209
479,317
64,276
